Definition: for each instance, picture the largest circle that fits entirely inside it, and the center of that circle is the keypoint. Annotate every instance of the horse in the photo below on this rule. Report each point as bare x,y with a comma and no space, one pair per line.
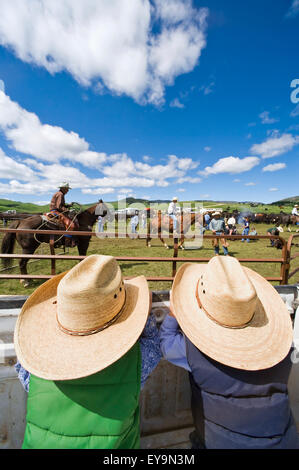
184,222
30,242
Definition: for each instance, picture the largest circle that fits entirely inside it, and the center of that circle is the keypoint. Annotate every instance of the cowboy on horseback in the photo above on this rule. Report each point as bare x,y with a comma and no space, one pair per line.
173,211
59,209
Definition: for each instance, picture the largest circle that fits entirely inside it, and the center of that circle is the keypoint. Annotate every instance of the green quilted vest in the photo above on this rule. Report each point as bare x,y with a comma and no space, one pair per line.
96,412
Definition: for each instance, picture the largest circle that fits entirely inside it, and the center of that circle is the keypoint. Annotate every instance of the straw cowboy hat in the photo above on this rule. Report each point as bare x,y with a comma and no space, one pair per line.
65,185
216,213
81,321
175,198
231,314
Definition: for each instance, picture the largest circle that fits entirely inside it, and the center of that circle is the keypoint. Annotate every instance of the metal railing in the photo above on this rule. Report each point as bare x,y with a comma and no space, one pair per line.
284,260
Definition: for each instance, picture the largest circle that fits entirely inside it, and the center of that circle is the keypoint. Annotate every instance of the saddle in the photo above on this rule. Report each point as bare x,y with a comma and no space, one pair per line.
60,220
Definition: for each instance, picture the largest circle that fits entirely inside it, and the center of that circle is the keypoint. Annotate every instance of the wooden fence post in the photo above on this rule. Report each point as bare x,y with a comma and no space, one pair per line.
175,255
52,251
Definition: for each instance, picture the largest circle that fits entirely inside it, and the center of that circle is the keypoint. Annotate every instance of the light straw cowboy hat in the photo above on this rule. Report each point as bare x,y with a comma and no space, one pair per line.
231,314
175,198
65,185
81,321
216,213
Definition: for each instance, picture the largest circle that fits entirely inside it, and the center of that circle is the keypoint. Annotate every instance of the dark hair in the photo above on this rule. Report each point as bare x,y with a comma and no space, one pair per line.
100,200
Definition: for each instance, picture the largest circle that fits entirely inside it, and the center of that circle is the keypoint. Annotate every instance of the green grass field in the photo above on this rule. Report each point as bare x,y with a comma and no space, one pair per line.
137,248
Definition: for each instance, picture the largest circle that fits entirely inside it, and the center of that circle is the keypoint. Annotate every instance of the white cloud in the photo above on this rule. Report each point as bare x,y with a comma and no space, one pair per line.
275,145
176,104
265,117
181,190
273,189
188,179
130,47
10,169
207,149
52,152
250,184
237,180
28,135
2,86
231,165
293,10
274,167
98,191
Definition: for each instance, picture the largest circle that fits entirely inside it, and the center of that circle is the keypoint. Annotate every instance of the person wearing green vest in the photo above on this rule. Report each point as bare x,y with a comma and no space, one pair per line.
83,341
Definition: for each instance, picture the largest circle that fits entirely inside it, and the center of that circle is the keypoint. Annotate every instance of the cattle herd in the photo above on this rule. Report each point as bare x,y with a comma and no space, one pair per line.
263,218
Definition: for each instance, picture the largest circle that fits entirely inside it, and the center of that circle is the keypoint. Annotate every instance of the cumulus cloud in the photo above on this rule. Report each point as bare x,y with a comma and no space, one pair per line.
130,47
273,189
231,165
52,153
98,191
275,145
11,169
274,167
28,135
250,184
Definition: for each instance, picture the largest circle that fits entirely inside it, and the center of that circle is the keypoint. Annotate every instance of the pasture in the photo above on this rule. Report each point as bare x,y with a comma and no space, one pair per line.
137,248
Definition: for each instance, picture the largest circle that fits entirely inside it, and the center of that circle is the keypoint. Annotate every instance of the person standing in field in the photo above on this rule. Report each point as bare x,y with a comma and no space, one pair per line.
134,222
231,224
217,226
246,229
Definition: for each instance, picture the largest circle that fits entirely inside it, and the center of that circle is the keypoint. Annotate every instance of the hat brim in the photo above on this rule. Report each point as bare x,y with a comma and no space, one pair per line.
262,344
45,351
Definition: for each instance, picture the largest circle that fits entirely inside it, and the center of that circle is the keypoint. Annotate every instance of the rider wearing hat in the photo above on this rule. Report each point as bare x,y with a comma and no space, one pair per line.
59,209
295,210
58,202
172,211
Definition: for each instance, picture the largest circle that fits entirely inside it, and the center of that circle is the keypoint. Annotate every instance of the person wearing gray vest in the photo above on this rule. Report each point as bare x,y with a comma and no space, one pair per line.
231,330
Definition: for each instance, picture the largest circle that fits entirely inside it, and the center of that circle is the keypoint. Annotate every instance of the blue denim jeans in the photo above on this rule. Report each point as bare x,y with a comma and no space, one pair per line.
216,248
245,232
174,221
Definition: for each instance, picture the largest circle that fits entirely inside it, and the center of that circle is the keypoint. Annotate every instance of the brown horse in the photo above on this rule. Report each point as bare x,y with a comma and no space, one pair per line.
184,222
30,242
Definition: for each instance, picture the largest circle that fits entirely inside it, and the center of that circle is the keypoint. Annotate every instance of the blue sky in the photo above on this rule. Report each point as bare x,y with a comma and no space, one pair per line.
150,99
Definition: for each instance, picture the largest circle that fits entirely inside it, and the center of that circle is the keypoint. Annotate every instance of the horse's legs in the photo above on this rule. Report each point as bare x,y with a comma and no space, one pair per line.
181,243
23,265
162,241
148,241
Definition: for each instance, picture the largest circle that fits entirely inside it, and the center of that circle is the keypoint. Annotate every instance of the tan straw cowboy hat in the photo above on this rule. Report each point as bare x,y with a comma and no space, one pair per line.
231,314
81,321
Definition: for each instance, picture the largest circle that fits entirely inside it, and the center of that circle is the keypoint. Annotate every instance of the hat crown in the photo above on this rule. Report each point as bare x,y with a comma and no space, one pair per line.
226,292
91,294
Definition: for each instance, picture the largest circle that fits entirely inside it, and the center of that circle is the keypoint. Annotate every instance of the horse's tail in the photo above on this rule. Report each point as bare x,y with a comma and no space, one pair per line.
8,243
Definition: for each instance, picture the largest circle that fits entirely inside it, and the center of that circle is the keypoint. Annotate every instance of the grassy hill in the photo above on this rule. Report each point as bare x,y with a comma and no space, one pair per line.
6,204
288,201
